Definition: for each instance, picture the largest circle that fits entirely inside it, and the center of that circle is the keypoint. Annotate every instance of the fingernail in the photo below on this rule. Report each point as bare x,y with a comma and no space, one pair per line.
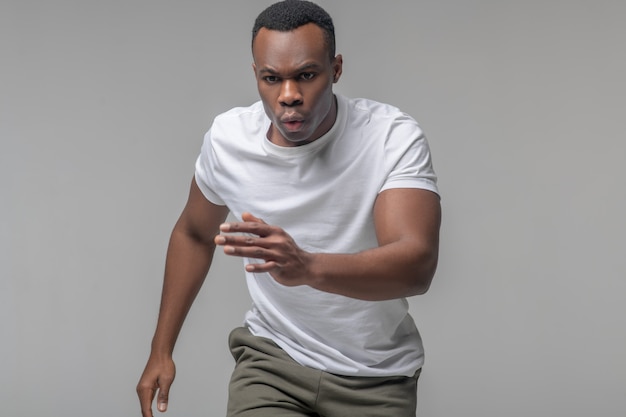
224,227
162,407
220,240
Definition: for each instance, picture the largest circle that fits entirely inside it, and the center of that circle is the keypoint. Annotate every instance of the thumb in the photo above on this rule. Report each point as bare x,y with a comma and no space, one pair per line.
249,217
162,398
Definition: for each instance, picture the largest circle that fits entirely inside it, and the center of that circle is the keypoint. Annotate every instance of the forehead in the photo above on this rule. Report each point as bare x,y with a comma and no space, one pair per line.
277,48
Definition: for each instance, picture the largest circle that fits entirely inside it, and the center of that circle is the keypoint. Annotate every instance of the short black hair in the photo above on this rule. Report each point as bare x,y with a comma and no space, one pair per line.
288,15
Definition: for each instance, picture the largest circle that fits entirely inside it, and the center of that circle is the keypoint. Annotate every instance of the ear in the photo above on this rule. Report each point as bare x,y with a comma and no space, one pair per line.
337,68
254,69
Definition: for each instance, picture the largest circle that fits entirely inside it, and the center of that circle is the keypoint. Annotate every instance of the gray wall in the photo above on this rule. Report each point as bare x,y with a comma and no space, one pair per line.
103,108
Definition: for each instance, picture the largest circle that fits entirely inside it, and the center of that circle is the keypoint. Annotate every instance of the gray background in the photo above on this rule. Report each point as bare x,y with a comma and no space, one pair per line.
103,108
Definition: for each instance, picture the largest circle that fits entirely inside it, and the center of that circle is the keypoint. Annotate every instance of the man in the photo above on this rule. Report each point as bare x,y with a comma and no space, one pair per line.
338,223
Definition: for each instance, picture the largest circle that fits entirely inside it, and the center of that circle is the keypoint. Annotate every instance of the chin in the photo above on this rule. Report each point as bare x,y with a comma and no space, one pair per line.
296,139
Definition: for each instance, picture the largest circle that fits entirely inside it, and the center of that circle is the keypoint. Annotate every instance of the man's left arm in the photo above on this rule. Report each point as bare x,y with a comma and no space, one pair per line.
407,224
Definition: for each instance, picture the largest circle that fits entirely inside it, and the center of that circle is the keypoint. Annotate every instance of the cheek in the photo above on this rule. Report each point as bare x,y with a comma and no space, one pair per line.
269,110
324,99
267,98
263,92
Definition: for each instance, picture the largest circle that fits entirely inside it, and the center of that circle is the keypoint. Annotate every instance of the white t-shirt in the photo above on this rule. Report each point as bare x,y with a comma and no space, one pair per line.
322,194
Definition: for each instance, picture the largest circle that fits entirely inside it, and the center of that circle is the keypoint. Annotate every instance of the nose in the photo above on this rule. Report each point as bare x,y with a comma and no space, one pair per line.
290,94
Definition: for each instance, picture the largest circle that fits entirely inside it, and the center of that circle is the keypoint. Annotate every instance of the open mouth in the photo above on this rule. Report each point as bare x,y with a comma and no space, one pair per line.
293,125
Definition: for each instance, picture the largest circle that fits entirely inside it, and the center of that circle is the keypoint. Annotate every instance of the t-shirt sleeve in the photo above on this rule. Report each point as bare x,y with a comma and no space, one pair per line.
204,171
407,157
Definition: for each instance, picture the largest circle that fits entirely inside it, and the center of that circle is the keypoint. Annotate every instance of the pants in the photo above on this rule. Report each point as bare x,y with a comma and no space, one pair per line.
266,382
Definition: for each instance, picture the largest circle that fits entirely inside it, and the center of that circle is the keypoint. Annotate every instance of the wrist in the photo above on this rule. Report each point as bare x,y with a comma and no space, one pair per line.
315,272
161,350
157,356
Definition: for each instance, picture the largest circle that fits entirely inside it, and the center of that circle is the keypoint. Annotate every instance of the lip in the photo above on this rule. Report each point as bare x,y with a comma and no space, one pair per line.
291,117
293,125
292,122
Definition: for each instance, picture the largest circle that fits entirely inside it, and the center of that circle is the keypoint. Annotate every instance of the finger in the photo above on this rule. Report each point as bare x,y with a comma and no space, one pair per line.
146,395
262,267
249,217
243,250
234,240
251,227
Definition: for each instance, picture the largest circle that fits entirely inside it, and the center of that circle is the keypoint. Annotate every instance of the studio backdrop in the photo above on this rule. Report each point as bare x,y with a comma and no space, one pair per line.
103,106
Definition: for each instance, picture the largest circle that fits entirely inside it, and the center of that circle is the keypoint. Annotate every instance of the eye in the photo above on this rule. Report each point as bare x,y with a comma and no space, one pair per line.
306,76
270,79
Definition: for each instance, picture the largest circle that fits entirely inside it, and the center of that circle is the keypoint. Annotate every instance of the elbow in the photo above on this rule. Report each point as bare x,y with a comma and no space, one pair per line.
423,271
422,285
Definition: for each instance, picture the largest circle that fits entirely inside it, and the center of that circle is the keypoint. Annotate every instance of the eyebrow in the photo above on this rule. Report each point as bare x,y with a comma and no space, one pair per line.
303,68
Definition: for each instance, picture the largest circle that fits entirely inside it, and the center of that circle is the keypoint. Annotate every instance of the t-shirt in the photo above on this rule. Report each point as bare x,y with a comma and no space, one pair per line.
322,194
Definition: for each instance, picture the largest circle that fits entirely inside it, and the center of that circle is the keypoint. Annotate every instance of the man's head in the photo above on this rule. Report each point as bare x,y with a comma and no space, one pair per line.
295,67
288,15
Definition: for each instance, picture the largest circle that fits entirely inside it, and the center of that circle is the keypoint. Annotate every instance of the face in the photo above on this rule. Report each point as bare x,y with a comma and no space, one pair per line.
295,74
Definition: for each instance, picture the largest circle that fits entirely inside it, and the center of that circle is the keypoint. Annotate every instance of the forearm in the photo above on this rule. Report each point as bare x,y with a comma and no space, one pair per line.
407,229
396,270
187,264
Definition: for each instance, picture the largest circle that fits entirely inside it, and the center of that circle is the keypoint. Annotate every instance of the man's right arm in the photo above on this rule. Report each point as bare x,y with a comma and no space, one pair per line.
189,257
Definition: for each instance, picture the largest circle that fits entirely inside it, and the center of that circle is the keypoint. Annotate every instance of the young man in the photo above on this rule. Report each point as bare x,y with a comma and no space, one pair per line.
338,223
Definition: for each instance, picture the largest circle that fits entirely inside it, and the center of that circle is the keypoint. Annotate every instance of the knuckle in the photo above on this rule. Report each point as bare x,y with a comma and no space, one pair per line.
143,387
260,229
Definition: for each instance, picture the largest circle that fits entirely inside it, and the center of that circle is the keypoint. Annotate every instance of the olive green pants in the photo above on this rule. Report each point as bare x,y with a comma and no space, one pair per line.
266,382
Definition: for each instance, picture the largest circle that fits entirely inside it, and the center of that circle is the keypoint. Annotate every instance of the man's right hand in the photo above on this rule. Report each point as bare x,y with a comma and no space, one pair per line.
189,257
158,376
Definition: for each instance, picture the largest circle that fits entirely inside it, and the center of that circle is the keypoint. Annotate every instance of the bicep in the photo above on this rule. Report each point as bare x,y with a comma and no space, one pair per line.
409,214
201,218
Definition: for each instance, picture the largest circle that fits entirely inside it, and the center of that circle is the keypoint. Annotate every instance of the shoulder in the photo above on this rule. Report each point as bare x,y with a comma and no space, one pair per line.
376,115
373,108
237,127
238,117
384,121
